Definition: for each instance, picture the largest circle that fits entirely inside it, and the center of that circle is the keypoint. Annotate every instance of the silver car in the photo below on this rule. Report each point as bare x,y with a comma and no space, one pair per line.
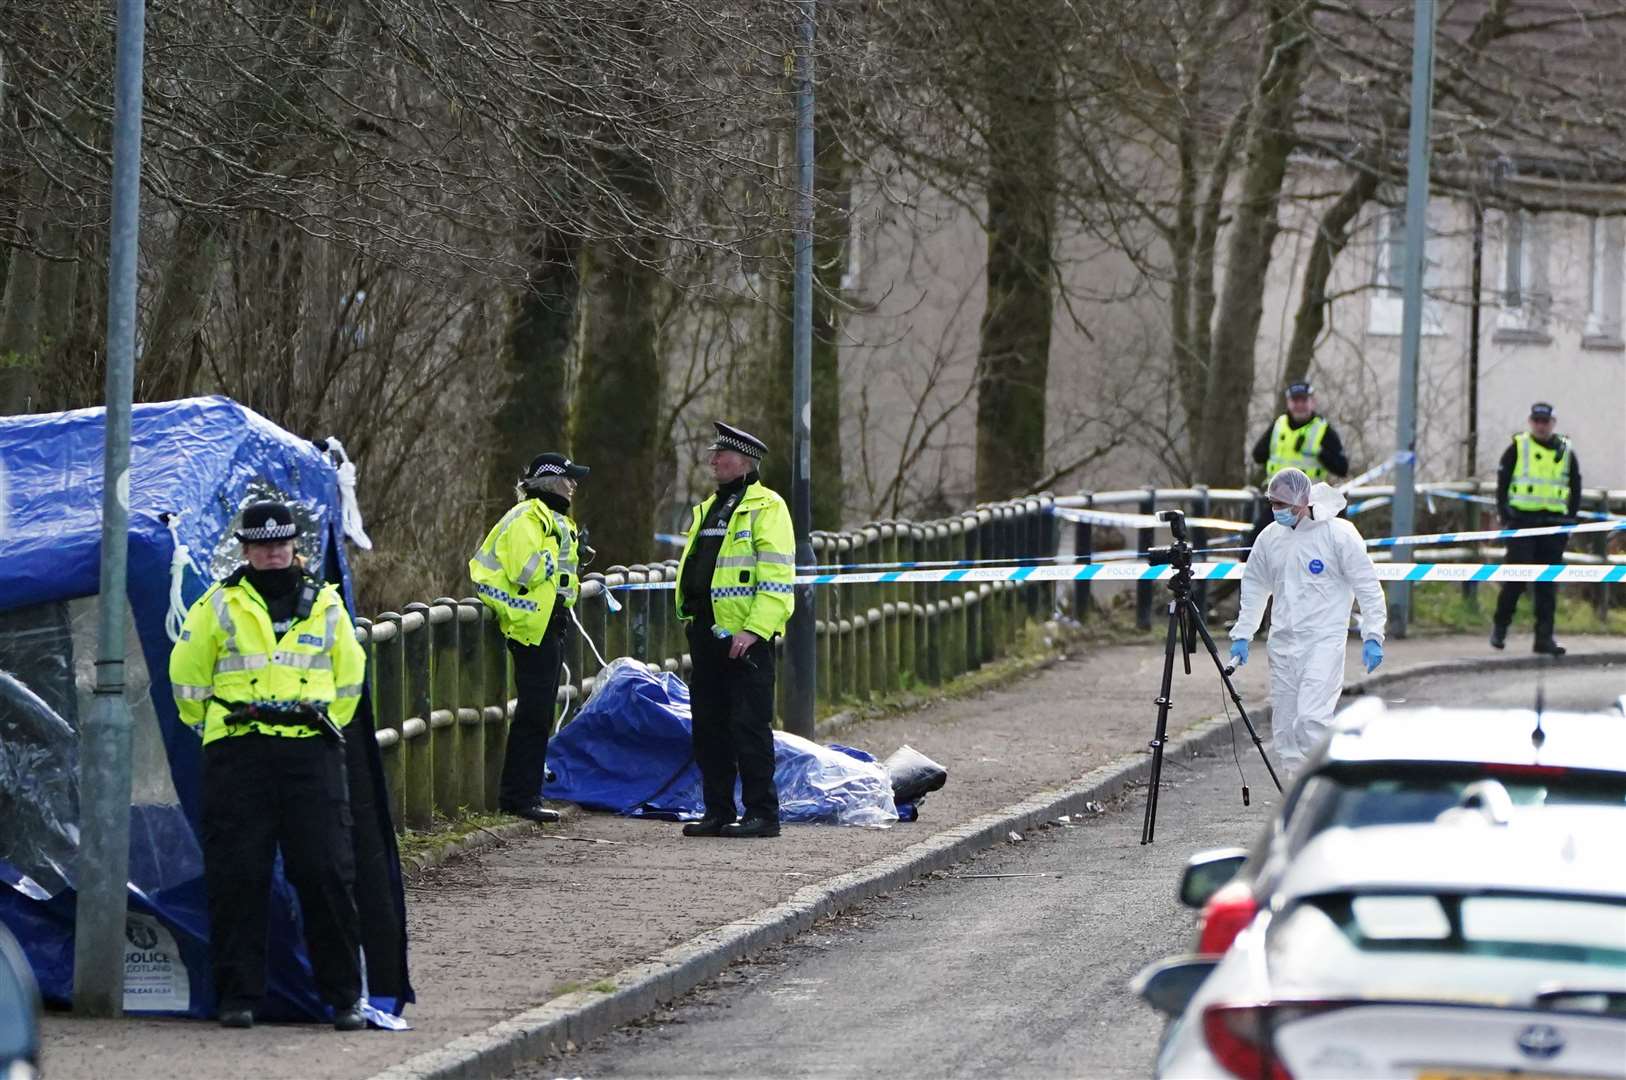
1490,944
1385,766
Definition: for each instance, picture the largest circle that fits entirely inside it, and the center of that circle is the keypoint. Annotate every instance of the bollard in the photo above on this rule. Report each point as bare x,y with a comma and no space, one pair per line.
659,610
874,613
389,709
493,703
471,745
822,695
1009,612
443,692
1144,539
1083,552
418,767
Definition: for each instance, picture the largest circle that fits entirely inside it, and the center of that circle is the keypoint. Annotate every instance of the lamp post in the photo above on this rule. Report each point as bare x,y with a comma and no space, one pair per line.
102,872
801,644
1411,322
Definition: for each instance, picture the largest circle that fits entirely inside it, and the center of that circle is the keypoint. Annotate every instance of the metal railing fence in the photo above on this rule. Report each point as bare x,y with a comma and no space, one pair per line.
442,684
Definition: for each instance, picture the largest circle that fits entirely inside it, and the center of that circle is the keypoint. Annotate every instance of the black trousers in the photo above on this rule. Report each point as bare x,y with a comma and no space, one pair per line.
732,706
262,793
536,679
1548,550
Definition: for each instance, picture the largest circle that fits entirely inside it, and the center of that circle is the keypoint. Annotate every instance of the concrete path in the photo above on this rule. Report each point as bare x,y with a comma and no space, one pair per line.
555,913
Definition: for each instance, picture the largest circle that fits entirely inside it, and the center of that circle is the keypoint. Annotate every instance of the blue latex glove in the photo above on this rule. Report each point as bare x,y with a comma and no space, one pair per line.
1371,655
1239,652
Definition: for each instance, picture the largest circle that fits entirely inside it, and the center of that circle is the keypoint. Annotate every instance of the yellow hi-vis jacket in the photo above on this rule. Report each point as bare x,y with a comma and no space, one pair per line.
1541,476
230,655
1300,449
753,586
518,569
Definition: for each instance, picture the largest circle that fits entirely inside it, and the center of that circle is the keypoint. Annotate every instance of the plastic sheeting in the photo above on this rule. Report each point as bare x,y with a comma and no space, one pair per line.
194,464
628,751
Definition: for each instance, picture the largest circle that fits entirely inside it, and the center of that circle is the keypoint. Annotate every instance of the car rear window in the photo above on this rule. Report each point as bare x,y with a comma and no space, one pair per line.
1534,927
1404,793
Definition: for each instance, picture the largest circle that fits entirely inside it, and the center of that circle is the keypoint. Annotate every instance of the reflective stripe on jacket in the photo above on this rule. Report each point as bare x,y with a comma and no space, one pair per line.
569,586
1297,448
229,652
516,570
1541,476
753,586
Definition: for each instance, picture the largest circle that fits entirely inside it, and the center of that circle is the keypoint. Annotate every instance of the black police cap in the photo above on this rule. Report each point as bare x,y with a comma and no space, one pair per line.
732,438
554,465
267,523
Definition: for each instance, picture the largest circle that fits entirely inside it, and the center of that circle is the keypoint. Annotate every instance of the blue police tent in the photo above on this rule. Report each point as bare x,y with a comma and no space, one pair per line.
194,465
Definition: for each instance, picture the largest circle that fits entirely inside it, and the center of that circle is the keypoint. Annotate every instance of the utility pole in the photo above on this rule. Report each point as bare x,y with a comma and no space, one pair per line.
1411,322
799,719
103,869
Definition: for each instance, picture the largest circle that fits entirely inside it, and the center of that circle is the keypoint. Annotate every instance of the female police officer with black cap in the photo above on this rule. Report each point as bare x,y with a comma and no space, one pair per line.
269,672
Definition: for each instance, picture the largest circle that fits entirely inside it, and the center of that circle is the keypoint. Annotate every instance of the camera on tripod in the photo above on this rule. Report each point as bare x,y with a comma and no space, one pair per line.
1177,554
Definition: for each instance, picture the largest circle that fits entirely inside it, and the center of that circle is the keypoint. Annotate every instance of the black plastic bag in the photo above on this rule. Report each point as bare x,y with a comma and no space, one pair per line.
913,774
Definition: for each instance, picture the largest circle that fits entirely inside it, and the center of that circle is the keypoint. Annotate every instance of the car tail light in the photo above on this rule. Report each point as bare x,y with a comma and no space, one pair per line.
1239,1039
1227,913
1241,1036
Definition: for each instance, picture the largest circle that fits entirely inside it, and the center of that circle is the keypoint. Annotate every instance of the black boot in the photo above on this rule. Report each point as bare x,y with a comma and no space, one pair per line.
350,1019
708,826
1546,644
753,826
534,812
1498,636
237,1018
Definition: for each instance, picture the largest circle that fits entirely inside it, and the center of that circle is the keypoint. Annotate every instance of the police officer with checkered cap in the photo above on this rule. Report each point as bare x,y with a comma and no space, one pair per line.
1538,483
268,671
735,593
527,571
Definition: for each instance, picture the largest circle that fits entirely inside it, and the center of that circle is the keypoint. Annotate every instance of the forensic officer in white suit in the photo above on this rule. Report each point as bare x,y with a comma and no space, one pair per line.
1315,565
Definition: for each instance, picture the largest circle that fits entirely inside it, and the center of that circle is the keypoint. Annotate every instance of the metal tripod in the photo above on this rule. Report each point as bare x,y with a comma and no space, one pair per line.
1185,621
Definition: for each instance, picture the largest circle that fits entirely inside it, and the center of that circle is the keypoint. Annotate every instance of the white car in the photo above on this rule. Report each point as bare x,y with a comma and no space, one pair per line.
1487,945
1383,766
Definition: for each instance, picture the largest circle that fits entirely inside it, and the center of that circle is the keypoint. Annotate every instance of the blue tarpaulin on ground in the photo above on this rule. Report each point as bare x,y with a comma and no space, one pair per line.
628,751
194,465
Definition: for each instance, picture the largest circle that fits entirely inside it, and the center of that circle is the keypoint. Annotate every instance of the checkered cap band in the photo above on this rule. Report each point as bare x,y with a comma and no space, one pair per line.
550,470
269,531
729,442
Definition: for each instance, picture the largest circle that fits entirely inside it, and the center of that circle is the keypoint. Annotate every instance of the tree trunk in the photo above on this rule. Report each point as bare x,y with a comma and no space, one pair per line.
619,387
20,351
1222,437
533,417
1013,360
171,361
1331,235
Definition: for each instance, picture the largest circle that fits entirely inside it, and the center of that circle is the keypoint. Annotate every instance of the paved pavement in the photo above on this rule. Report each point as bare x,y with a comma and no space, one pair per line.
522,923
1015,963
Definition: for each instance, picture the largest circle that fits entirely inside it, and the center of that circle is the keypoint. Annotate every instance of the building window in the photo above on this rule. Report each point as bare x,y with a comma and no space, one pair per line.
1603,285
1522,316
1389,277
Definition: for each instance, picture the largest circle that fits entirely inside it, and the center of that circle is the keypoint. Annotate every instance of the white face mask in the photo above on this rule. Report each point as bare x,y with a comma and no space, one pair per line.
1286,518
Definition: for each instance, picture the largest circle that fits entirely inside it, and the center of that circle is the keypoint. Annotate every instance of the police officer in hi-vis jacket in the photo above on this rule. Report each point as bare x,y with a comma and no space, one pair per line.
269,672
735,592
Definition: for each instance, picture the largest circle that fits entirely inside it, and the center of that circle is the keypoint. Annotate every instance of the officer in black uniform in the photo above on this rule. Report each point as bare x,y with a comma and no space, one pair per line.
1538,483
735,595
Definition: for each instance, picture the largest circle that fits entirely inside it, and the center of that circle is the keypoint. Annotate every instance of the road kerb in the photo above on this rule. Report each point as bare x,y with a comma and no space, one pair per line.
577,1018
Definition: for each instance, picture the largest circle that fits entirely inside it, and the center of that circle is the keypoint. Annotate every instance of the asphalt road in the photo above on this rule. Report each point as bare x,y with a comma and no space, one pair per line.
966,973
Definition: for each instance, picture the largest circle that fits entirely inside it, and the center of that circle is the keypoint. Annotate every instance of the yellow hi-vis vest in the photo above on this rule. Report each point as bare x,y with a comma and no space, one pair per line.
753,586
516,570
1541,476
229,655
1299,449
569,553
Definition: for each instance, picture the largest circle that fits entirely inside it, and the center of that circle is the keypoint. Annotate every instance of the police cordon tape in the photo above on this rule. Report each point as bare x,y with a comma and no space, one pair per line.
1217,571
